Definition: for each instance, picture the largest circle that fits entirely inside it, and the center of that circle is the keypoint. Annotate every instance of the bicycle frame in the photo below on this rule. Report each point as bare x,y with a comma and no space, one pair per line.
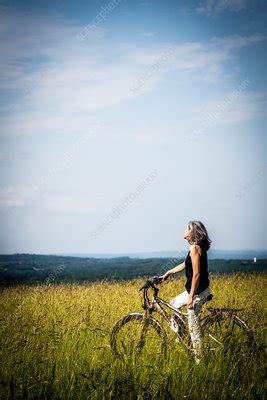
155,305
156,302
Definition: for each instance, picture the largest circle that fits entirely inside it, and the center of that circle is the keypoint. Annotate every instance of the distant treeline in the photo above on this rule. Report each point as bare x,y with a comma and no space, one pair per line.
44,269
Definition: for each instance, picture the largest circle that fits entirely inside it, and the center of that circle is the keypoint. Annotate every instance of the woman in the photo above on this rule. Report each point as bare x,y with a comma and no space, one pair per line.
197,283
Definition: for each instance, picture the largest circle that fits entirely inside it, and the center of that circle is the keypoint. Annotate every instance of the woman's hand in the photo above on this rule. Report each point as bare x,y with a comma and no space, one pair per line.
190,303
165,276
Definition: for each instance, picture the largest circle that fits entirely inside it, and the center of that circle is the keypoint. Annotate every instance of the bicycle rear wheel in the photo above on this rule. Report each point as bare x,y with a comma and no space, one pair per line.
227,331
134,335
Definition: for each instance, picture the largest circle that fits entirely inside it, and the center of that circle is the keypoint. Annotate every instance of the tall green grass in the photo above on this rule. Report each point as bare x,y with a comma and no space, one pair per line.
55,344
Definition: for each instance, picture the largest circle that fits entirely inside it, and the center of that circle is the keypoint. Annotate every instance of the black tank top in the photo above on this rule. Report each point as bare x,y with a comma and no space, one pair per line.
204,274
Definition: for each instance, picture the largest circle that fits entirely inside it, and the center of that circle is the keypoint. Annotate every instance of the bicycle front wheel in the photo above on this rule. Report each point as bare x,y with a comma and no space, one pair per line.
135,335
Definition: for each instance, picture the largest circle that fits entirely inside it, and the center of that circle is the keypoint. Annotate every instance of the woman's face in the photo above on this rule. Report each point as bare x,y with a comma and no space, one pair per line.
187,233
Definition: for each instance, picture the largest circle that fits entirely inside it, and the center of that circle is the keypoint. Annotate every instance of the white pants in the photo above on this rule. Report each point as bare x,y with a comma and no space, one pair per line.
193,317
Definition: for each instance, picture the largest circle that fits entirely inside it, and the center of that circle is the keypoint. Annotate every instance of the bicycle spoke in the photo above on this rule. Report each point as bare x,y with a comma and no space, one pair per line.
134,336
227,332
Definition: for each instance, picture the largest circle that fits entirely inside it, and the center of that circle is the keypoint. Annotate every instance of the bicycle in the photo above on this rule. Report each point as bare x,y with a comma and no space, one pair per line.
221,328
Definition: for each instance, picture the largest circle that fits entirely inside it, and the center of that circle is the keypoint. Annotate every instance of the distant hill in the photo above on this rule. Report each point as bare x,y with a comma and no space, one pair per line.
46,269
213,254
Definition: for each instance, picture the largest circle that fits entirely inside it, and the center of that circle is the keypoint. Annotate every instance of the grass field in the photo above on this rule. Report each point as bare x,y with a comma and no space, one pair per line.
55,344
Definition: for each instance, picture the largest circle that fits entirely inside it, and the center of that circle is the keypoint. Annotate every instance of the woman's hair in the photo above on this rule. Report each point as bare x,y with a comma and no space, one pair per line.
199,234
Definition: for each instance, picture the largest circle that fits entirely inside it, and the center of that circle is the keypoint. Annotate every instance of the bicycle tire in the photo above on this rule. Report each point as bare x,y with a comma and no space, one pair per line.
228,332
121,351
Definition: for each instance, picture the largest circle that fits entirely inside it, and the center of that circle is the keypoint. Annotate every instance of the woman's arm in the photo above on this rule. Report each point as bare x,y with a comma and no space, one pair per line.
195,257
174,270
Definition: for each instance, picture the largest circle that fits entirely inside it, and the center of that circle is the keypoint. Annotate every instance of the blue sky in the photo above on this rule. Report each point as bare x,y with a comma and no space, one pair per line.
93,101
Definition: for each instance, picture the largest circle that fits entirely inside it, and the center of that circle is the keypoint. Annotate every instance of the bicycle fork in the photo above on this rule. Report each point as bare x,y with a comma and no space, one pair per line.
153,306
145,324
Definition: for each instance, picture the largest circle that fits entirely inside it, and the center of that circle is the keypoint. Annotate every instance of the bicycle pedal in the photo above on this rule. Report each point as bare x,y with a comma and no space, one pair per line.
173,325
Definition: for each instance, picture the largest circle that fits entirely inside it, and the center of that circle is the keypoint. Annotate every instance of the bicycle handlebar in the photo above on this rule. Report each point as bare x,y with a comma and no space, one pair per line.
151,283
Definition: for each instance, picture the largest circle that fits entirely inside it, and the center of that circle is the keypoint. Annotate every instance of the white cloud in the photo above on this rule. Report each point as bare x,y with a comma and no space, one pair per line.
236,41
233,107
204,59
11,196
249,105
28,196
61,82
213,7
